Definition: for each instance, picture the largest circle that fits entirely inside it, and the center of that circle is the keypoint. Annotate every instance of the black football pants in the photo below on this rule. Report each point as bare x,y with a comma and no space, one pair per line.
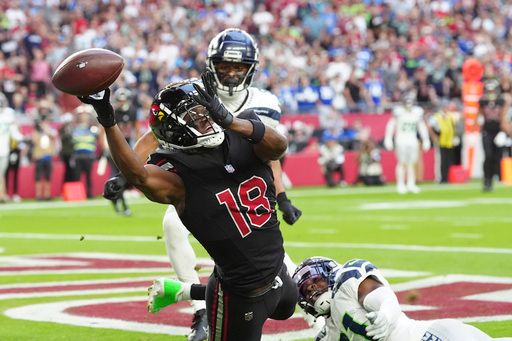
233,317
492,156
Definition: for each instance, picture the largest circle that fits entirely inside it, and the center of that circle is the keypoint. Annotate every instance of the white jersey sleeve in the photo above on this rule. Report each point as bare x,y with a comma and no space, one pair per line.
348,318
407,124
264,104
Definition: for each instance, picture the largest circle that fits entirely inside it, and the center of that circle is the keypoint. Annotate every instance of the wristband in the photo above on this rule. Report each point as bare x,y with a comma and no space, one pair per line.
258,130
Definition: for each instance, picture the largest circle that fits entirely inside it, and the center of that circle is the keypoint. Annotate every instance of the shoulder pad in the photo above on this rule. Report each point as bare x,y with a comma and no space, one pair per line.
263,98
264,112
355,268
160,159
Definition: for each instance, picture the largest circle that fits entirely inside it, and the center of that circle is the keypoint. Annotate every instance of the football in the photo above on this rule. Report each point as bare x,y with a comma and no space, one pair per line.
88,71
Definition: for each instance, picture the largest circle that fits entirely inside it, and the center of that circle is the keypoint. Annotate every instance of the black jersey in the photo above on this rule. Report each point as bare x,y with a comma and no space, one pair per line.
230,209
491,110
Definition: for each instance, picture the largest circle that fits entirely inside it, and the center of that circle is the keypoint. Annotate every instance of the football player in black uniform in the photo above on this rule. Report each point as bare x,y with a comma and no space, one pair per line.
222,187
491,107
233,56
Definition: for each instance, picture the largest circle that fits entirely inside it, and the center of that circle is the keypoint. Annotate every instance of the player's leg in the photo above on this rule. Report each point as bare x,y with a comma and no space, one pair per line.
47,178
285,294
180,252
183,259
290,265
400,178
38,178
167,291
453,330
412,158
232,317
3,171
411,179
400,152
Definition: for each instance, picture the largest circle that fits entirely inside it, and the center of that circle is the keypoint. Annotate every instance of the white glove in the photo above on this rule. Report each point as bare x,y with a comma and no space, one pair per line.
322,334
380,325
426,145
388,144
502,140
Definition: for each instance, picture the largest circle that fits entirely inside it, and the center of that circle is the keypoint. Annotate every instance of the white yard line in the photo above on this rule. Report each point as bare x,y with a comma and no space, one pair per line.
399,247
466,235
402,247
56,312
298,194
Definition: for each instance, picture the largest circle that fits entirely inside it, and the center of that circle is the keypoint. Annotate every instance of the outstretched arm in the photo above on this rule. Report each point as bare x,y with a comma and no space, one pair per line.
145,145
382,305
158,185
268,143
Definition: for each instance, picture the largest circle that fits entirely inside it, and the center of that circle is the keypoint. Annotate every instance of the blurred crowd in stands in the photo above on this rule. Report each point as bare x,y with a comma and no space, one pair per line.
325,58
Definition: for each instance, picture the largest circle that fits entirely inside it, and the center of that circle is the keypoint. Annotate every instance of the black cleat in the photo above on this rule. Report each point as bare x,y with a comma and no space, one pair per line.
199,327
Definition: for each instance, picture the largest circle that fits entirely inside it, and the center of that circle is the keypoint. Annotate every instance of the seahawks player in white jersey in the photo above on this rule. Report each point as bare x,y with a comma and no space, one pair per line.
402,136
233,58
359,305
7,128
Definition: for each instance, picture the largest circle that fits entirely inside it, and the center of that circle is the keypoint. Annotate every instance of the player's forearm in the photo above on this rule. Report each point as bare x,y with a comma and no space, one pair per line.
390,128
423,131
145,145
124,157
272,145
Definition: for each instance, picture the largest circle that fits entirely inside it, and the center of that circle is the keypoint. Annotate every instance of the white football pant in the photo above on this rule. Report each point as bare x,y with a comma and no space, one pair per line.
453,330
180,252
407,155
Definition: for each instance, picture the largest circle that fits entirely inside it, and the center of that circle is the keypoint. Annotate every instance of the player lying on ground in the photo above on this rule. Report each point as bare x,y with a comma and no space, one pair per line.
359,305
357,302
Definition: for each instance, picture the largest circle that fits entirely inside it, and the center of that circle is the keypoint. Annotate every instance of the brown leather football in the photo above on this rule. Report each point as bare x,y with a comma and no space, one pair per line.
88,71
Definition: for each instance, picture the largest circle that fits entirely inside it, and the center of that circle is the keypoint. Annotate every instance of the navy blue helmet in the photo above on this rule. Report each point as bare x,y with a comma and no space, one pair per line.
233,46
309,272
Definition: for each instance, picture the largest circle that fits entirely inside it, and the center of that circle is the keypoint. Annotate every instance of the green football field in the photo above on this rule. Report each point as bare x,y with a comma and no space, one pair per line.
71,271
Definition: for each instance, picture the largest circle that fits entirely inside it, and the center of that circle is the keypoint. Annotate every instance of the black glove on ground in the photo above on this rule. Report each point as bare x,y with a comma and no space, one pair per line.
101,104
290,213
208,98
114,187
